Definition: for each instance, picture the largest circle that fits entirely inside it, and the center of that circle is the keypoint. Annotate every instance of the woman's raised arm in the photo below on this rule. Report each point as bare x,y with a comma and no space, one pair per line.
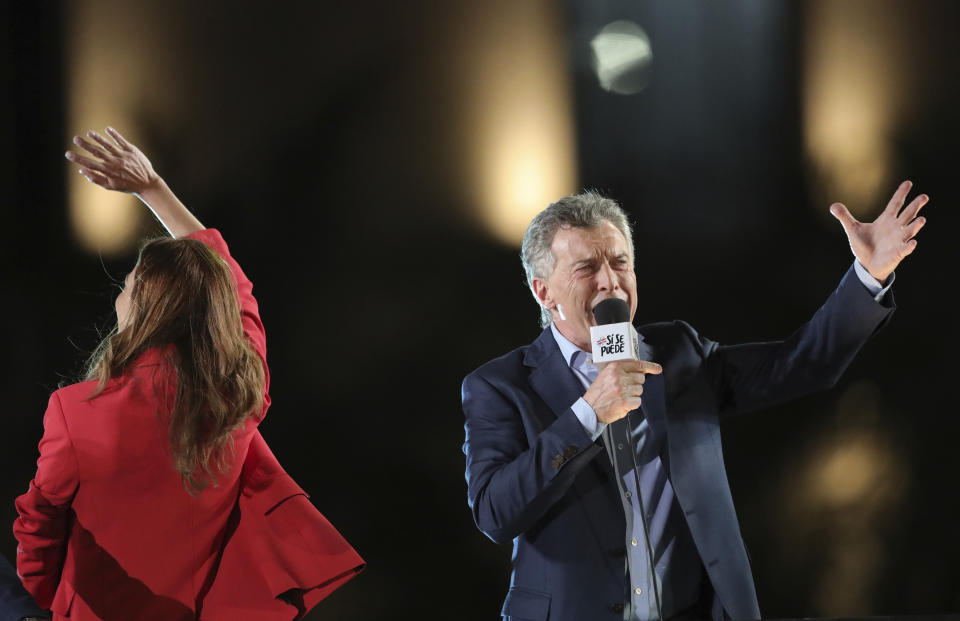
122,167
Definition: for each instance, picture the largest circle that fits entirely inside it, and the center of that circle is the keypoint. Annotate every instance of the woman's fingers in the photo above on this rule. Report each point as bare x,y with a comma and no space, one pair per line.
106,144
120,139
86,162
91,148
94,177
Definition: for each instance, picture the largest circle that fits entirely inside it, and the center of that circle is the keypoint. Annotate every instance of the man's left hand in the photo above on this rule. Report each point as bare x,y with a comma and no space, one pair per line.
881,245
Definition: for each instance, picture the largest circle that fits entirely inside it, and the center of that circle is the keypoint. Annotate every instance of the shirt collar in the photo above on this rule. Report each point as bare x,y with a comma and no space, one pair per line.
568,349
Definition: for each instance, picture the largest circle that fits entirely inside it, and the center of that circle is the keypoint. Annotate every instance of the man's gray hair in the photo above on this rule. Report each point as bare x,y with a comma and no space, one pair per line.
585,211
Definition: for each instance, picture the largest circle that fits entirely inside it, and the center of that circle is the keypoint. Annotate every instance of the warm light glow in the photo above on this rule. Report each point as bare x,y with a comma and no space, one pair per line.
106,72
840,496
519,116
847,472
853,91
104,222
852,159
851,483
521,175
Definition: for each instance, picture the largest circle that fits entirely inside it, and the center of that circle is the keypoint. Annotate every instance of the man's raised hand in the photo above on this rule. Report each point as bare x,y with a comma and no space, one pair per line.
881,245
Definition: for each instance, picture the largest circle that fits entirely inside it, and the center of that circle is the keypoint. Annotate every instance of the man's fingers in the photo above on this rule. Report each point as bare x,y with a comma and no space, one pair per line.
631,382
914,227
910,211
896,201
840,212
651,367
642,366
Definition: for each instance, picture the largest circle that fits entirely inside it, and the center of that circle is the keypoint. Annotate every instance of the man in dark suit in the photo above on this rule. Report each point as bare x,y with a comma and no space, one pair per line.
618,506
15,603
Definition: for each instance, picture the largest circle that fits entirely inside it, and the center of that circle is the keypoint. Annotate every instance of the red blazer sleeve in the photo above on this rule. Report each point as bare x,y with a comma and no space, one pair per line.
300,557
42,527
249,310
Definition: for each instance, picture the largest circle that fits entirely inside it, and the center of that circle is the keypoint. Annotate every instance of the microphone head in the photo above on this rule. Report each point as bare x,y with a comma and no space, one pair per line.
611,310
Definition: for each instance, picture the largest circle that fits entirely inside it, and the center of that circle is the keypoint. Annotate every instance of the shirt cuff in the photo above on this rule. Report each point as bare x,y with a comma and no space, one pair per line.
588,418
874,286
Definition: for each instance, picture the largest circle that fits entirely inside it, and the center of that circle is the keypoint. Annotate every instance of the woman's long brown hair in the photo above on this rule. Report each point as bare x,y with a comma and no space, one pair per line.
184,302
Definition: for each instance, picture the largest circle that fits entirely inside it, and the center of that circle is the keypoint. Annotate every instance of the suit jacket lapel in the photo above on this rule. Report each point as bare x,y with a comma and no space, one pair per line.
654,406
555,382
551,378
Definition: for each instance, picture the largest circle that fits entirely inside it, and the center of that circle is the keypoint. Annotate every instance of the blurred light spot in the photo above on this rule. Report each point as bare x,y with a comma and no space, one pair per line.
622,57
104,222
840,499
844,586
852,95
518,119
523,176
105,72
856,469
847,472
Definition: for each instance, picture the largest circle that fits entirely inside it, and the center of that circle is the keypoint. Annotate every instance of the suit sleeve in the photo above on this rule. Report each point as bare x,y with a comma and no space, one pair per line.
15,602
249,309
42,527
511,485
758,375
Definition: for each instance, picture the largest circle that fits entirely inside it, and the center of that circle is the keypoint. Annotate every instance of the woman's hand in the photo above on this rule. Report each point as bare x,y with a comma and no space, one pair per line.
124,168
121,166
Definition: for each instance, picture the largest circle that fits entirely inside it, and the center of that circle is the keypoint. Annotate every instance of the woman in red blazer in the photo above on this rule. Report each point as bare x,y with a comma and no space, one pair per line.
155,497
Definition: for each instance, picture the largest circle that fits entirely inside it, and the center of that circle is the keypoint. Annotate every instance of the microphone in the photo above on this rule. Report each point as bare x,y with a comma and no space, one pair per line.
611,310
614,337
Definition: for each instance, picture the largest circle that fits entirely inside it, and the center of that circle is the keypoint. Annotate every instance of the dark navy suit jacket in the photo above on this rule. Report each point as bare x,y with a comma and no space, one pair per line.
15,602
535,477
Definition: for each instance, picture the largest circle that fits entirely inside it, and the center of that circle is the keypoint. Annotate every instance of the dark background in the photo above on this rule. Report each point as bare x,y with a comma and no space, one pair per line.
322,140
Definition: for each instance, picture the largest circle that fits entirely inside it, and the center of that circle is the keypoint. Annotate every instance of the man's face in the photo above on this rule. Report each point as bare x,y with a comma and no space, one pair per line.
590,265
